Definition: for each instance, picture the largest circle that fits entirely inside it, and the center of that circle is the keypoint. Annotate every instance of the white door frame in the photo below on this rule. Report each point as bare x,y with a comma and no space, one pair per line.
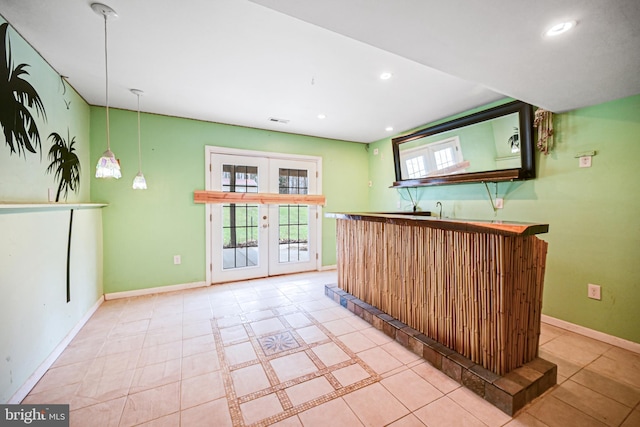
210,150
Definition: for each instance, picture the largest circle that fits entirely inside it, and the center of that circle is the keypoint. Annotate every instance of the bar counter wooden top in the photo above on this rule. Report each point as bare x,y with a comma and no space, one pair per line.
505,228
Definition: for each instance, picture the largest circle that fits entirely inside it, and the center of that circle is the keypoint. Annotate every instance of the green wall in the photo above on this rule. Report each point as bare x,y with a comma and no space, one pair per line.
145,229
593,213
34,314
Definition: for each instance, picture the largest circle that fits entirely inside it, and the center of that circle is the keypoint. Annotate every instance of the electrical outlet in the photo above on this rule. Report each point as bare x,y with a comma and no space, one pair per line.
177,260
52,195
593,291
499,203
585,161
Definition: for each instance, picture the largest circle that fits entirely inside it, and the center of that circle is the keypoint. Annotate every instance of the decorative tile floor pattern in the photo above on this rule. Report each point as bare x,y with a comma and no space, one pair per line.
194,358
290,360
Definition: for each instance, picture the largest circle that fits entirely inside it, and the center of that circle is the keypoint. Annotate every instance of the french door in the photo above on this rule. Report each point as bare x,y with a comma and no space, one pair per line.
250,240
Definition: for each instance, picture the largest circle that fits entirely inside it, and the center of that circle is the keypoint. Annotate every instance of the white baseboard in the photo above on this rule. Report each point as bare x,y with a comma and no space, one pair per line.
156,290
328,267
28,385
591,333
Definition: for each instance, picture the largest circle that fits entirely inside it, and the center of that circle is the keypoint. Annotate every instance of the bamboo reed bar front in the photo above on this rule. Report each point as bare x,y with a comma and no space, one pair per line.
473,286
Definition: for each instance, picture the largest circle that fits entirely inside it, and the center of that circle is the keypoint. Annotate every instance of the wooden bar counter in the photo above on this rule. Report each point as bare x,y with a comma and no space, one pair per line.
473,286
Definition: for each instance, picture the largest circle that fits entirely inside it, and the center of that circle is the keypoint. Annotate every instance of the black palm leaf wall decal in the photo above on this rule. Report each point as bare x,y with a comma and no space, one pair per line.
16,97
66,167
64,163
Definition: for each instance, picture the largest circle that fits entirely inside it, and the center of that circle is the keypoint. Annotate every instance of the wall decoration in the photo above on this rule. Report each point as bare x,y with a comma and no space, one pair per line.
64,90
64,163
69,256
544,122
16,94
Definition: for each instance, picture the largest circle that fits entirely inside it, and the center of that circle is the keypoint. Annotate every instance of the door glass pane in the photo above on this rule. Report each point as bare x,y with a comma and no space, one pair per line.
293,223
239,221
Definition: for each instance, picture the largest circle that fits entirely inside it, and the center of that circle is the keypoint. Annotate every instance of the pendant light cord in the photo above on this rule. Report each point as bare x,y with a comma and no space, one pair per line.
139,150
106,74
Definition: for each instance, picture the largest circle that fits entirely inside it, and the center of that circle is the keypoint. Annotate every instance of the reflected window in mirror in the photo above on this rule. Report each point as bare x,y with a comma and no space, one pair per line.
435,158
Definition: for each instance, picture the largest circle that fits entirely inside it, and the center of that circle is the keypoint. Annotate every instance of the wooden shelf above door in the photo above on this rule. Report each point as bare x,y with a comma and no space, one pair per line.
259,198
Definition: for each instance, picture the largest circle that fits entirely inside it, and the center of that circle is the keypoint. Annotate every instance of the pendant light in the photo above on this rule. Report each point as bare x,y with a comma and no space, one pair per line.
108,166
139,183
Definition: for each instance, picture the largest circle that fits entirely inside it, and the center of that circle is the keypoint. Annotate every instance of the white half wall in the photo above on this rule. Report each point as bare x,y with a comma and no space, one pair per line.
35,317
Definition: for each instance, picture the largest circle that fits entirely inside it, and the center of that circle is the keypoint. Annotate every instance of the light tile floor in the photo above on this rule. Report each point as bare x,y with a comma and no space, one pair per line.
278,352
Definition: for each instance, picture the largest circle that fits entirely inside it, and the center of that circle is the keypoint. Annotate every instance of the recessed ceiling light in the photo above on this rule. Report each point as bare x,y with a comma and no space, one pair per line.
322,116
388,128
560,28
385,76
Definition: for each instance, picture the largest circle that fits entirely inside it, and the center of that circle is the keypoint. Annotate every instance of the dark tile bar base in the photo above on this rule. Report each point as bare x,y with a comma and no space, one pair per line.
509,393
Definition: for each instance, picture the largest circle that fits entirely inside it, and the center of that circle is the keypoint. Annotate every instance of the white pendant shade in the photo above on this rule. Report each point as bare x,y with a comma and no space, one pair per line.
139,183
108,166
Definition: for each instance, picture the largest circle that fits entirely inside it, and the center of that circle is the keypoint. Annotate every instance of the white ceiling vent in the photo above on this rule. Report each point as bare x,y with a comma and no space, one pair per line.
277,120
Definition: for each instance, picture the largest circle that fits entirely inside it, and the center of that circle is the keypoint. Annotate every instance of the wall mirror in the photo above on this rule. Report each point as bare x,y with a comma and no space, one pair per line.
492,145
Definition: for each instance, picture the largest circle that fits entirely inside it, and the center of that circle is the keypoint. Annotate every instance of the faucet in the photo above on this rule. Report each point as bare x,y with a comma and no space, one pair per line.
439,204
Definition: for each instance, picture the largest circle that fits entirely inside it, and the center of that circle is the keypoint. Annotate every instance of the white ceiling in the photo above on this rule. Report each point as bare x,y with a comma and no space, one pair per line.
243,62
